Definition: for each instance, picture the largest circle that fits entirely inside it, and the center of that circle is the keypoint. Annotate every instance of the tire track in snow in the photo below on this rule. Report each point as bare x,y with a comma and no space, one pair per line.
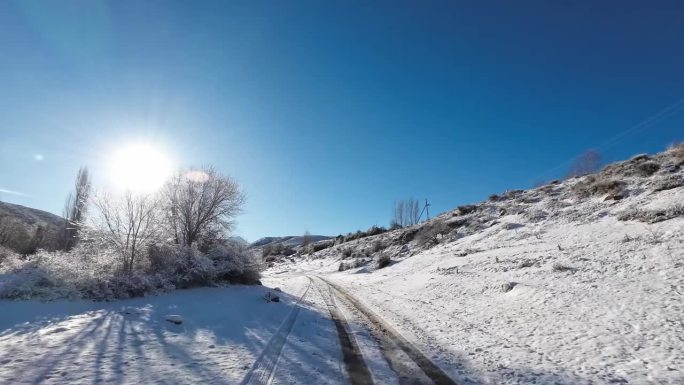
358,371
434,372
264,367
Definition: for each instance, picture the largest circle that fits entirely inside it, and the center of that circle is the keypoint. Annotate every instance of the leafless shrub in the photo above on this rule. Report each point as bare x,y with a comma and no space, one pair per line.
535,216
587,163
431,233
592,185
351,265
407,236
667,183
360,254
652,216
378,245
322,245
557,267
677,151
466,209
646,169
277,249
383,260
346,252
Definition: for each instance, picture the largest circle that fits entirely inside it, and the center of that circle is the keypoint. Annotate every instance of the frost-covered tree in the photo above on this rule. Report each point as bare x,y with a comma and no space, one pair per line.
201,201
75,209
128,224
306,239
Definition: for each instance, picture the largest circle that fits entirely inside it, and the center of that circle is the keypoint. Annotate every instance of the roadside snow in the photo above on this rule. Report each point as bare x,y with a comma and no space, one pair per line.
130,341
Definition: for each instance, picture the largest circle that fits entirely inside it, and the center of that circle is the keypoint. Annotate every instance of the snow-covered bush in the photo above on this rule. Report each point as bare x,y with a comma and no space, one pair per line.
352,264
677,151
652,215
430,234
96,272
234,264
383,260
667,183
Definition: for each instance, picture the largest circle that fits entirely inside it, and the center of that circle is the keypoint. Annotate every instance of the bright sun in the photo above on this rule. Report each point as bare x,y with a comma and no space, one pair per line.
140,167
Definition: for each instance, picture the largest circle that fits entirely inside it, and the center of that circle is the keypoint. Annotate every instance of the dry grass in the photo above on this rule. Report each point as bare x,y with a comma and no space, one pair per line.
593,185
677,150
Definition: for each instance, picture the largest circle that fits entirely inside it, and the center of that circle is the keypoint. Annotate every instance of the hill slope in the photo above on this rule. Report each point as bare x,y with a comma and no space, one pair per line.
18,225
291,240
574,282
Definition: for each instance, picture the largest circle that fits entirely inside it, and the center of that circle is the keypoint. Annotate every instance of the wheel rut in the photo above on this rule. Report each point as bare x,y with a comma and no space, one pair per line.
410,364
356,367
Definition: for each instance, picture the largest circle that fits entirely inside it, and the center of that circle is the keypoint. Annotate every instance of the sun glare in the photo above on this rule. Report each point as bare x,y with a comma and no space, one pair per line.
140,167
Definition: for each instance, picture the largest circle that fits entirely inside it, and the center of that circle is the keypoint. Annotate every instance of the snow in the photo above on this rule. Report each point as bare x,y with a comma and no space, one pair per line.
613,318
130,341
594,300
540,286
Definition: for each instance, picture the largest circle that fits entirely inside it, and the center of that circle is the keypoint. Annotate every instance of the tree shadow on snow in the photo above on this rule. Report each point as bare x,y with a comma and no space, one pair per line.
130,341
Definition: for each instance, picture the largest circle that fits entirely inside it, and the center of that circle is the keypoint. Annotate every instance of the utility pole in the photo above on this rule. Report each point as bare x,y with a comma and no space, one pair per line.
425,209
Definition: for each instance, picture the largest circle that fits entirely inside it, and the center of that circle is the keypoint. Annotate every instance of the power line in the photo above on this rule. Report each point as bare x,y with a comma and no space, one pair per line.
651,121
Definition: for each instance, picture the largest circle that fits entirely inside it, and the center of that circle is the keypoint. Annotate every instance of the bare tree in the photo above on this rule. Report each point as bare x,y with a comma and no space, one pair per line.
128,224
412,214
406,213
587,163
398,220
306,238
200,201
75,208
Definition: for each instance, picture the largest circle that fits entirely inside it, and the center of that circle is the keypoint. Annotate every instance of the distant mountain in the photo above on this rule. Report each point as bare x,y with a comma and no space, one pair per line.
29,216
291,240
239,240
17,220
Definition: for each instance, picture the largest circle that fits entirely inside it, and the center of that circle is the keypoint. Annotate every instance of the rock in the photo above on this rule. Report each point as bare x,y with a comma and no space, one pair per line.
174,319
466,209
512,226
277,289
640,157
614,197
508,286
270,297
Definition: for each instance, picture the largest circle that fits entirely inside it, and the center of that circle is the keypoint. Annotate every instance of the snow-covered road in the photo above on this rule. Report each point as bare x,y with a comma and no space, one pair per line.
226,336
130,342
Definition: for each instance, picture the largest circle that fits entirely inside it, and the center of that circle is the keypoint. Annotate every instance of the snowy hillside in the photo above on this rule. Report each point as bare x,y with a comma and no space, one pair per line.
290,241
20,225
574,282
29,216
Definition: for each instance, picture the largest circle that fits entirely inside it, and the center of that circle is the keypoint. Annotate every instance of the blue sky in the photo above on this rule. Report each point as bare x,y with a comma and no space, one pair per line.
327,112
